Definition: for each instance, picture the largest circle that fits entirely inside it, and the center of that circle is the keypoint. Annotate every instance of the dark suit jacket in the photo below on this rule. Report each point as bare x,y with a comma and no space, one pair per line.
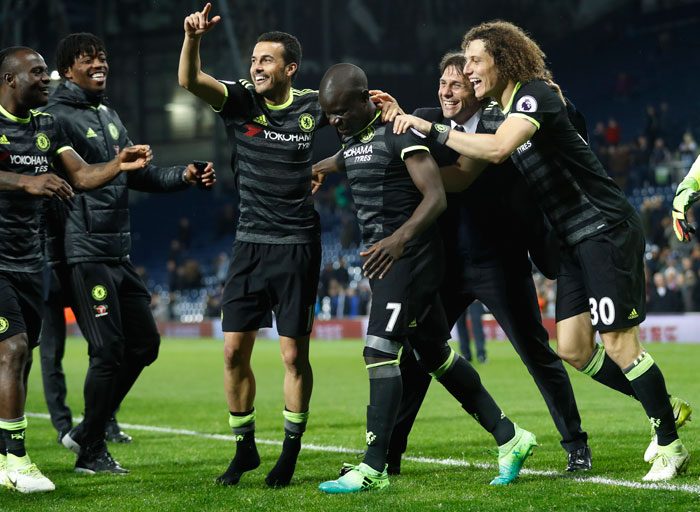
495,218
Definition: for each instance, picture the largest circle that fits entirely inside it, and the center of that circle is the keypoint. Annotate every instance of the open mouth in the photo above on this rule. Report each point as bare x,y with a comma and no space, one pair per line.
476,83
99,76
260,79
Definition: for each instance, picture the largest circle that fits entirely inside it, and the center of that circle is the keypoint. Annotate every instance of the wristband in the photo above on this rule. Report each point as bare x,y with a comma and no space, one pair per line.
439,132
184,176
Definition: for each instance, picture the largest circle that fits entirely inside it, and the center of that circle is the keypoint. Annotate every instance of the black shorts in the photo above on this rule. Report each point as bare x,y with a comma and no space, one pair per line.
406,301
604,274
268,277
21,305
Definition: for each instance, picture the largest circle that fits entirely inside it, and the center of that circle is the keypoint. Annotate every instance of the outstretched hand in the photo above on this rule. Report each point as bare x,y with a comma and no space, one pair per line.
205,177
681,204
198,23
134,157
317,179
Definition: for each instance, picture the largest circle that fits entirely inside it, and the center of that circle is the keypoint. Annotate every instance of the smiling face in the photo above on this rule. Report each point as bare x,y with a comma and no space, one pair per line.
268,71
481,71
89,71
456,96
31,79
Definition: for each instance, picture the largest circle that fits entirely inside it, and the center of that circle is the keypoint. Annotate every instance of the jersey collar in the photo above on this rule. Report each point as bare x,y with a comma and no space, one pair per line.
283,105
13,117
506,109
379,112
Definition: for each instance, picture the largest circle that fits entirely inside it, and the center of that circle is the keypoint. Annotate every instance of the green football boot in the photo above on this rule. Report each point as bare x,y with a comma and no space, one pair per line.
682,411
512,455
355,479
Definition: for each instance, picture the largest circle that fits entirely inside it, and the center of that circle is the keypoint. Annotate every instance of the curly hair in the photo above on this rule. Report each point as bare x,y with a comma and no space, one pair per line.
516,56
71,47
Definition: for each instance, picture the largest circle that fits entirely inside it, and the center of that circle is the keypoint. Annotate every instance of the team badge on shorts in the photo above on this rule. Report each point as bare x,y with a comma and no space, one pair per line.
307,122
99,292
526,104
100,310
368,135
4,324
113,131
42,141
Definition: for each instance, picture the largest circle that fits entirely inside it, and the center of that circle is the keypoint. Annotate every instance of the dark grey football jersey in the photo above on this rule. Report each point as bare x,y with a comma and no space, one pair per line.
382,188
272,163
27,146
570,184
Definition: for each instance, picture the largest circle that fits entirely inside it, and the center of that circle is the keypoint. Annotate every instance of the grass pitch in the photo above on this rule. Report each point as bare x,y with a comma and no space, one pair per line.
173,466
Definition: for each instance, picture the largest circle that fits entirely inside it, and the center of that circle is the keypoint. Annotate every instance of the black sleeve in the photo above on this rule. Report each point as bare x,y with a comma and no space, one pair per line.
537,102
239,99
158,179
153,178
577,119
404,145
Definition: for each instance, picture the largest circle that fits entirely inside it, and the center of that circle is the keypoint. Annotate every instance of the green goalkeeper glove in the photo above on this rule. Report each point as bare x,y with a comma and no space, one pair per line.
686,194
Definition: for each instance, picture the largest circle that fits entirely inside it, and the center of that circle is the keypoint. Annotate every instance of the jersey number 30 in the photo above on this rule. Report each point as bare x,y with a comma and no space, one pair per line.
603,310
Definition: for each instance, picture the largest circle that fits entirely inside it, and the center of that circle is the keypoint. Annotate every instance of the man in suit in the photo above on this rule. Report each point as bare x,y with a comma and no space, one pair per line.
488,230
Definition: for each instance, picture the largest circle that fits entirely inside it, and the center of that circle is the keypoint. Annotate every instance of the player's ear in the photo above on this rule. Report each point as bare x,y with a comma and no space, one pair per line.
291,69
8,78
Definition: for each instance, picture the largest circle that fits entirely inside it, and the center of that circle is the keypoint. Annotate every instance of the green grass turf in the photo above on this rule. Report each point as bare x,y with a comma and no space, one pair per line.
183,390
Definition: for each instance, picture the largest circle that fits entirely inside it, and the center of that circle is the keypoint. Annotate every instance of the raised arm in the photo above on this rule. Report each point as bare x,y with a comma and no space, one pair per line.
85,177
494,148
426,176
189,71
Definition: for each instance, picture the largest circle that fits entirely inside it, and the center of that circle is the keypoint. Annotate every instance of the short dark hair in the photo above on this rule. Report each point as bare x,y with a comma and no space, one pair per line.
453,60
8,52
292,48
73,46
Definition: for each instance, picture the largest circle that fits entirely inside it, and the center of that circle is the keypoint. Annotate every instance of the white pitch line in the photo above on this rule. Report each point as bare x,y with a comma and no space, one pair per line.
425,460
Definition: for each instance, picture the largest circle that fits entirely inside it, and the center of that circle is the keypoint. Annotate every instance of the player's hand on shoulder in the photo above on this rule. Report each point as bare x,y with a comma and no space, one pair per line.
403,122
135,157
198,23
387,104
381,256
48,185
205,176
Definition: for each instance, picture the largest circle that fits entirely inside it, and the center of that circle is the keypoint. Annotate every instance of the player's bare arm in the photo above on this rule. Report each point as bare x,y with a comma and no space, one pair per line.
46,184
85,177
334,163
189,71
426,176
458,177
494,148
